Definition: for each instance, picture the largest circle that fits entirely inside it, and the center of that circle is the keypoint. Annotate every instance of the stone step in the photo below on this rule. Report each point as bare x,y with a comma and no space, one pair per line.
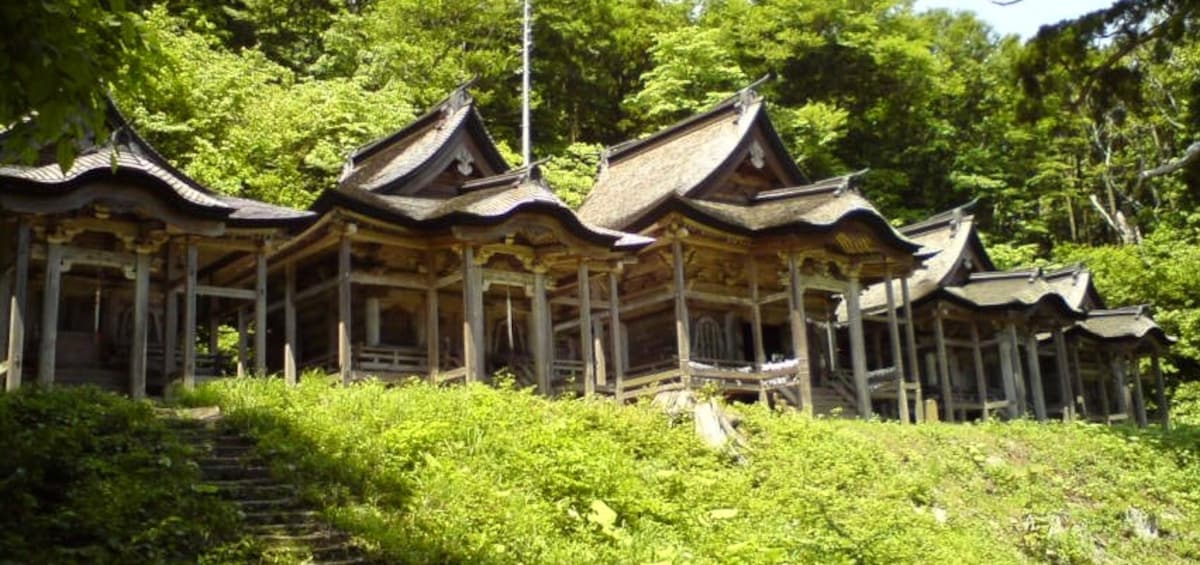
234,471
267,504
280,517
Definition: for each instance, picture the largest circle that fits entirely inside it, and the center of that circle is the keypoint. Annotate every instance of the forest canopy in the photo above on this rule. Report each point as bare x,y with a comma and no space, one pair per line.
1079,144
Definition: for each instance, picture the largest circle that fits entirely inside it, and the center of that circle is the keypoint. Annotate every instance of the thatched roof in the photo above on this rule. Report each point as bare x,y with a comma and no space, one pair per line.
128,159
1129,325
404,161
951,243
485,201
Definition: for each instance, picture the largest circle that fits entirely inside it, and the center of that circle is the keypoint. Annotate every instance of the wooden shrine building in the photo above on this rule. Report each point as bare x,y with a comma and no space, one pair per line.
748,255
102,264
432,257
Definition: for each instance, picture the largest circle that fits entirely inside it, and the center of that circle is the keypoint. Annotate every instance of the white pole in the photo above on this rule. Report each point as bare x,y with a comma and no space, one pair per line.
526,47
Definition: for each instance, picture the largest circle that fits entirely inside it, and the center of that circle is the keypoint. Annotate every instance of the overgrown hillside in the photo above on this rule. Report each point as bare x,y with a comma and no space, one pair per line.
476,474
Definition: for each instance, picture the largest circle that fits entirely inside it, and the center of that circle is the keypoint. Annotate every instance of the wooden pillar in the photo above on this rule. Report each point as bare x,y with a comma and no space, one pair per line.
760,354
290,357
939,335
344,327
832,339
585,330
1118,368
473,319
372,320
1160,391
432,329
5,309
214,326
1139,399
1077,373
541,332
1101,375
683,333
189,316
1035,377
18,310
617,341
858,354
1018,378
171,316
1065,390
598,352
243,366
799,333
897,352
141,314
260,313
48,348
980,375
910,334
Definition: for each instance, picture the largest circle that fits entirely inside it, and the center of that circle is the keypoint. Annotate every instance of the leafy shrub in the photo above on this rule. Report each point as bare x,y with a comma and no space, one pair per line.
89,477
476,474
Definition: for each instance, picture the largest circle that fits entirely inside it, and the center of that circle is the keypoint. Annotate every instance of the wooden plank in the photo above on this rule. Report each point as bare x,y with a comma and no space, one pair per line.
141,314
682,323
290,354
18,310
897,351
585,330
1064,375
799,327
171,316
1035,378
541,332
939,335
1139,399
189,316
910,334
1160,392
858,354
432,330
51,287
615,334
260,313
343,310
980,374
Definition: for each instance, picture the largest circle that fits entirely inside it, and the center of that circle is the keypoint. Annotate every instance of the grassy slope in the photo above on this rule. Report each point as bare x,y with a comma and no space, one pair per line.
479,474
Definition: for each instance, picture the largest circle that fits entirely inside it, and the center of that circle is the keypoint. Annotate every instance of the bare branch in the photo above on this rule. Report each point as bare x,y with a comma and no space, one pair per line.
1189,155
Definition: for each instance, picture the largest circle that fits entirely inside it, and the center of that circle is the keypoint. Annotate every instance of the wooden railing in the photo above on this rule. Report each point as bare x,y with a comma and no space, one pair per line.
391,359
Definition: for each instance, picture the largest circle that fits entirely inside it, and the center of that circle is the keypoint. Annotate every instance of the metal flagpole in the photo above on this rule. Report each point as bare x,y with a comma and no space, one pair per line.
526,47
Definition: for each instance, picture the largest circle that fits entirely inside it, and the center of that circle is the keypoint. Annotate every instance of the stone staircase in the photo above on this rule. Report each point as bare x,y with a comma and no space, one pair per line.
273,515
827,401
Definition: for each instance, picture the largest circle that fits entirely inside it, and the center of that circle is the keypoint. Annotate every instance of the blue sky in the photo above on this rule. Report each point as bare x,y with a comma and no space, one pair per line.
1023,18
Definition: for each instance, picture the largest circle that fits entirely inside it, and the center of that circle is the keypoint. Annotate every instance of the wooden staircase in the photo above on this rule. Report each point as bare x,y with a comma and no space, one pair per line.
827,401
287,529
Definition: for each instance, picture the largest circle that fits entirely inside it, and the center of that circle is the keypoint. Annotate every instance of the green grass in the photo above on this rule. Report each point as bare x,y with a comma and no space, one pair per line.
87,476
477,474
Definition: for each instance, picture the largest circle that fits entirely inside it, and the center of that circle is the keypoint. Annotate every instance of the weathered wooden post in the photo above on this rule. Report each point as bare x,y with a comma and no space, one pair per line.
1077,372
1064,375
18,309
897,353
618,340
1035,377
1004,348
1160,393
189,315
1018,372
260,311
432,324
939,335
1139,399
683,334
585,330
290,357
473,345
344,311
171,316
48,348
141,311
243,366
858,354
541,331
980,374
799,326
910,333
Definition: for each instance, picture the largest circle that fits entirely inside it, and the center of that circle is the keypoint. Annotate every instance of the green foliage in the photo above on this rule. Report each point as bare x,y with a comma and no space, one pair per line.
572,173
1185,405
693,70
56,60
497,476
90,477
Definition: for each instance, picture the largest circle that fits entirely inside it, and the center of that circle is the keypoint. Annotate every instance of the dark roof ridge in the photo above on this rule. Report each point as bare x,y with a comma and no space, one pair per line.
837,185
1136,309
950,217
1032,274
530,172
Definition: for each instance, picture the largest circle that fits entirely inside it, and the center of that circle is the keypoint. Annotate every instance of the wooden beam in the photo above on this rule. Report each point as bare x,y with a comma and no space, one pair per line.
189,316
171,316
18,310
343,309
585,331
52,284
682,323
910,334
858,353
943,365
396,280
433,340
541,331
1062,362
290,355
1139,398
225,292
1160,392
799,331
615,334
980,374
141,313
260,313
897,350
1035,377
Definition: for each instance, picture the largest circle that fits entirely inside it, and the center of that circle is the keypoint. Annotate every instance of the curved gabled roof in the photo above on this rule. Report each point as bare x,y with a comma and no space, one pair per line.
1011,290
128,158
637,176
398,162
1131,324
486,201
1075,283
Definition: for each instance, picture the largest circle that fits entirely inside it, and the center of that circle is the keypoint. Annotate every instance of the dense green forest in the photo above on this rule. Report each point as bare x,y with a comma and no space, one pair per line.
1076,143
